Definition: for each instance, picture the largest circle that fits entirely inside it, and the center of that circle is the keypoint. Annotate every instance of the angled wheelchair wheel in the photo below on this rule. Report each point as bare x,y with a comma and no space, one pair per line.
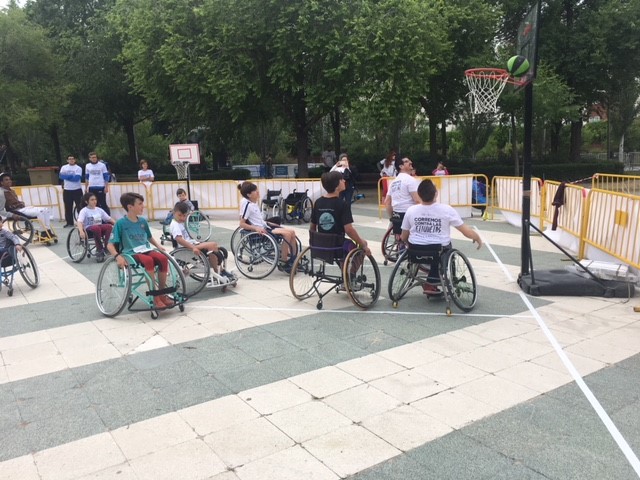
23,228
28,268
198,226
403,278
460,281
307,208
257,255
194,267
77,247
390,247
176,280
236,236
113,287
361,277
301,279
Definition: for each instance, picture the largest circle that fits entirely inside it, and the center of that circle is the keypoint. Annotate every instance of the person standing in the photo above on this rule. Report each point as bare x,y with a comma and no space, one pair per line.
440,170
71,175
387,167
145,174
347,173
97,180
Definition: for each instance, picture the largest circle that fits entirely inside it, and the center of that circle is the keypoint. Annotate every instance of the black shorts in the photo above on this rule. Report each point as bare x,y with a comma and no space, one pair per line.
396,222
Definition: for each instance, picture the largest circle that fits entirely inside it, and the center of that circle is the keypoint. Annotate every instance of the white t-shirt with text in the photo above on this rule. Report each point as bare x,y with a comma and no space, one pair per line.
400,191
431,224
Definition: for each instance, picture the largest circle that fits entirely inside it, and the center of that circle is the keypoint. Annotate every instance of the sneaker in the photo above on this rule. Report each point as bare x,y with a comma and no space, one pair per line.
229,275
68,226
284,267
100,257
429,289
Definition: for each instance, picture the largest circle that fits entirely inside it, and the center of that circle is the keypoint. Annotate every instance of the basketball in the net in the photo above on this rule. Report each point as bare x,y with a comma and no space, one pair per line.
518,65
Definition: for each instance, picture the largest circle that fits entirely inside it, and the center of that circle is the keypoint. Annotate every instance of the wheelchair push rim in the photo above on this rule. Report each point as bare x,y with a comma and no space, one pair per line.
23,228
28,268
403,278
194,267
257,255
361,277
301,279
76,247
113,287
460,280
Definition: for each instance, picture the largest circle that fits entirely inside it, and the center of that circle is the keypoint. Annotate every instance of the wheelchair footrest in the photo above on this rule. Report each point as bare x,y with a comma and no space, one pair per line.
162,291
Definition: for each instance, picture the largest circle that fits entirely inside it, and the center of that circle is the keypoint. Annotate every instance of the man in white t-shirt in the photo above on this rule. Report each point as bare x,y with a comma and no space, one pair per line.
429,223
97,180
402,194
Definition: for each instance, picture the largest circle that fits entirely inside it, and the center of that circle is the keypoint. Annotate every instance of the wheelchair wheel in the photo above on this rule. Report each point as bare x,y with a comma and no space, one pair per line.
390,247
198,226
28,268
460,281
301,279
361,277
257,255
307,208
23,228
235,239
77,247
195,268
113,287
176,279
402,279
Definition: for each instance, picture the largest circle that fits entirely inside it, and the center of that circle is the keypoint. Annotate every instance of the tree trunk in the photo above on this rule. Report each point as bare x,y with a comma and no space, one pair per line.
302,151
576,141
12,157
55,139
433,137
554,141
129,130
335,125
621,150
443,139
514,147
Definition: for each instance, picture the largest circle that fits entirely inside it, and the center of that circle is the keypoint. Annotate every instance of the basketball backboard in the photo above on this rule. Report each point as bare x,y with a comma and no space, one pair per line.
188,152
528,42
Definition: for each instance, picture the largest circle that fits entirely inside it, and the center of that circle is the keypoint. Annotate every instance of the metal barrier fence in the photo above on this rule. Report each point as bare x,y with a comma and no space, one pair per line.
507,197
616,183
571,213
454,190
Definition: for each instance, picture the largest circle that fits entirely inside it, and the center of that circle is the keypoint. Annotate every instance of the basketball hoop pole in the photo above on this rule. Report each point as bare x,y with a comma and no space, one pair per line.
526,181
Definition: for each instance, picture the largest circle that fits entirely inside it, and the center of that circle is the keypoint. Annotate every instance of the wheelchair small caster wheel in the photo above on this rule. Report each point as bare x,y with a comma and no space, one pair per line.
154,314
55,241
448,312
181,308
224,289
395,304
385,263
319,306
10,292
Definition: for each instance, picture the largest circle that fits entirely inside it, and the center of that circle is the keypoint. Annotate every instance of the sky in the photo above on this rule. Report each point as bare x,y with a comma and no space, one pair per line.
4,3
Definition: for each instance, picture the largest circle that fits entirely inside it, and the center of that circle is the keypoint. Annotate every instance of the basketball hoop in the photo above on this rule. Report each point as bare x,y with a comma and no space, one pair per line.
182,169
485,86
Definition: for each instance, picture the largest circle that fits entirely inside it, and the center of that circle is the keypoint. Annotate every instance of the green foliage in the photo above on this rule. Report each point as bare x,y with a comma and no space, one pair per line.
253,159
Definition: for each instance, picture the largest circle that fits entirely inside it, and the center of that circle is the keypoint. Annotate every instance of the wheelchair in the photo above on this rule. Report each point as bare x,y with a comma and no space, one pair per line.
78,248
258,255
24,227
391,244
325,262
297,206
12,262
457,280
197,270
197,225
271,204
119,287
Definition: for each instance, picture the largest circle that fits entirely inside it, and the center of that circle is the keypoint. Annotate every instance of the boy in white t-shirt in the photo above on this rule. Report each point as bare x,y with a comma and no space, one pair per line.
181,235
429,223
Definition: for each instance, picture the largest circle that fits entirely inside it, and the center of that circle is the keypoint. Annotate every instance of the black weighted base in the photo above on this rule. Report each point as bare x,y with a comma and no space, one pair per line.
565,283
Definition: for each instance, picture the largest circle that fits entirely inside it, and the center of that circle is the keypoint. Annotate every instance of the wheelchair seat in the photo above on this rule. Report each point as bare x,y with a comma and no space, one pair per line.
16,212
423,254
272,197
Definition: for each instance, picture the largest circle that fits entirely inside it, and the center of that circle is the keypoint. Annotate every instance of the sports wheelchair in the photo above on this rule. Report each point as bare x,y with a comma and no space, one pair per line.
12,262
197,224
297,206
258,255
78,248
197,270
23,226
457,280
325,261
391,244
271,204
119,287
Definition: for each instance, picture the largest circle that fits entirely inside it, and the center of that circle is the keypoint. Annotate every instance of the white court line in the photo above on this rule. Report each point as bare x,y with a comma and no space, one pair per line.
606,420
362,312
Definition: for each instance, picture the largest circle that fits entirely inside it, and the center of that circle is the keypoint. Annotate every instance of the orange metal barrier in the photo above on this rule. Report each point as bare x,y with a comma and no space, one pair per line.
571,214
616,183
507,197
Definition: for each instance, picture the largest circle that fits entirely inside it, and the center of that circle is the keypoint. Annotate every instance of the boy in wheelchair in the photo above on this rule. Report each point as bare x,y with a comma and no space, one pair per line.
332,215
95,221
133,236
251,219
428,224
7,240
181,236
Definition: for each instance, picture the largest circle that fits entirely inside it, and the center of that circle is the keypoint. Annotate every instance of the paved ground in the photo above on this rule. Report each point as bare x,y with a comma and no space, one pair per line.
252,384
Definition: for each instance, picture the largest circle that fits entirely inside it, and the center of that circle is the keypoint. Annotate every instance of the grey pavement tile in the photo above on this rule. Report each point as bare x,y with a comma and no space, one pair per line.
306,338
45,384
248,376
294,363
605,385
264,345
156,358
401,467
208,344
55,404
13,443
376,341
131,410
341,327
181,395
223,360
9,417
48,432
118,389
626,420
101,371
337,351
176,372
6,394
631,363
514,471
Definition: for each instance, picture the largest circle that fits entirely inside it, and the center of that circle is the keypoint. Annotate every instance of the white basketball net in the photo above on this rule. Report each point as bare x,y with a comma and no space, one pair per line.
485,87
182,169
